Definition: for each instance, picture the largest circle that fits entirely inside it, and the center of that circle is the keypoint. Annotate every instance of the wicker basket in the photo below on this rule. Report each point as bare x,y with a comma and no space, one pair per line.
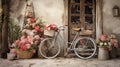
24,54
49,33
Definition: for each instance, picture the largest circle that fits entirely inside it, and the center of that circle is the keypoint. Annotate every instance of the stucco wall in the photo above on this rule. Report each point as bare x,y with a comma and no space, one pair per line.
110,24
52,12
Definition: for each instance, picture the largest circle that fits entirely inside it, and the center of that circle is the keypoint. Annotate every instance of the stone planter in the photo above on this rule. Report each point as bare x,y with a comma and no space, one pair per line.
11,56
103,53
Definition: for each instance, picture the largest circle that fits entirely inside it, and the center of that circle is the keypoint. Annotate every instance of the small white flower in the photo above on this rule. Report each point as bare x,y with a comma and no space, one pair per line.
101,44
105,44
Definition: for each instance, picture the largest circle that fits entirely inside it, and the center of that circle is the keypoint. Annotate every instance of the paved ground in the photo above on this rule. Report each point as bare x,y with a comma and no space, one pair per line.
60,62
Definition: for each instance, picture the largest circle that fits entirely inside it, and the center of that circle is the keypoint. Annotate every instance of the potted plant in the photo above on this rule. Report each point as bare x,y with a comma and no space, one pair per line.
25,46
113,46
103,43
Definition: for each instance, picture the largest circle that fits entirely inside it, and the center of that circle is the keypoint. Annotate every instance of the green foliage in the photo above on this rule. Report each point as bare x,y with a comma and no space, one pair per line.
13,31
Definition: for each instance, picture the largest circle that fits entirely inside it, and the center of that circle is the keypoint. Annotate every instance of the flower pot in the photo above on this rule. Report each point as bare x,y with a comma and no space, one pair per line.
24,54
11,56
103,53
113,53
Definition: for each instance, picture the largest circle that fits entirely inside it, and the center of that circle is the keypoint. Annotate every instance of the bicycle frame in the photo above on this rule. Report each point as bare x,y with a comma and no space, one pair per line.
66,43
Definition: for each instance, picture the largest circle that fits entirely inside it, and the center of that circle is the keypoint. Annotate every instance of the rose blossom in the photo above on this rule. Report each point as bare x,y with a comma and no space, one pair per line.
24,40
33,25
37,28
23,47
24,30
28,46
32,20
12,50
30,38
17,42
37,37
103,37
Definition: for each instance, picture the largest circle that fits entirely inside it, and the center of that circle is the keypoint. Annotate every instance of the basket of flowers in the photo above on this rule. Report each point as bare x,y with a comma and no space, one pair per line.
50,30
25,47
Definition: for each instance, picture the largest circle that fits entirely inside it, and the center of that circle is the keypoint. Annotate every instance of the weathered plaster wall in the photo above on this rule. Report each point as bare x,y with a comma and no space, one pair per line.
110,24
52,12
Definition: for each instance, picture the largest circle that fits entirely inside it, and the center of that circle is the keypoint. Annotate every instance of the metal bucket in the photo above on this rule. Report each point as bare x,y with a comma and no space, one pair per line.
103,53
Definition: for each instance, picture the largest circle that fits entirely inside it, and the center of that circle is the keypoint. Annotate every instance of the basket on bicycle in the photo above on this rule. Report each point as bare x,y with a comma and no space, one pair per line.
50,30
49,33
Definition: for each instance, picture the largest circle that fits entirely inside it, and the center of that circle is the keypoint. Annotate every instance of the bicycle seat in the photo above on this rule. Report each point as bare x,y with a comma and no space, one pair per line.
76,29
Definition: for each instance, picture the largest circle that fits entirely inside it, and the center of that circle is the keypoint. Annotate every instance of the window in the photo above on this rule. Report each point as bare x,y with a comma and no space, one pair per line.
82,15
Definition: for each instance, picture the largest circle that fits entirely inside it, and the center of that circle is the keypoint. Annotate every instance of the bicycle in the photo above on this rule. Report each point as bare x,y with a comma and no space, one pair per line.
84,47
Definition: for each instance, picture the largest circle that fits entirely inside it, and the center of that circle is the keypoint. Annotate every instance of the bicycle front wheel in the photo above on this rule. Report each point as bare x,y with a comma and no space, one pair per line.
49,48
85,47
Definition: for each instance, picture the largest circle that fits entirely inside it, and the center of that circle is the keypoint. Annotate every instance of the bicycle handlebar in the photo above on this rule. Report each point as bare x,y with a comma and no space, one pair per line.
62,27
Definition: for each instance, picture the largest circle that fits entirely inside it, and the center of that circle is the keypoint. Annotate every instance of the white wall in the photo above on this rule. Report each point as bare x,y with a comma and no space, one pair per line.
52,12
110,24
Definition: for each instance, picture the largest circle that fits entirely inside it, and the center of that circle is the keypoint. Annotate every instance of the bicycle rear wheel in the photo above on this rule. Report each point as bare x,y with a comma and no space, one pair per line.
85,47
49,48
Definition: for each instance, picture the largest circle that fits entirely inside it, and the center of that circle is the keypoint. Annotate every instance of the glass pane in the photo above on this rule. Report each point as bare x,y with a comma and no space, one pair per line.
88,1
75,9
88,10
75,19
75,1
88,20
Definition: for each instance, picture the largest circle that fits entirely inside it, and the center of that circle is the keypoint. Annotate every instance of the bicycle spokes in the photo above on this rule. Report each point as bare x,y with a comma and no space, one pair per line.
49,48
85,48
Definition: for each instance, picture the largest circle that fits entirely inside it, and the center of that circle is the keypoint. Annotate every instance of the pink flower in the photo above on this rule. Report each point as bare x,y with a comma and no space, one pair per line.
30,38
22,37
32,20
28,46
17,42
37,28
12,50
34,31
115,43
25,40
52,27
37,37
24,30
33,25
23,47
103,37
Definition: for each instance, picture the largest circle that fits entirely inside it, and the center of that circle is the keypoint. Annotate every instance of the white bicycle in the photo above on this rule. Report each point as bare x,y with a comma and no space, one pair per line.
83,47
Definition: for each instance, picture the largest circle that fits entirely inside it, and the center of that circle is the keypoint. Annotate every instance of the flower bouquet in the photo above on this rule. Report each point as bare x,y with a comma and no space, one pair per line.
104,42
25,46
50,30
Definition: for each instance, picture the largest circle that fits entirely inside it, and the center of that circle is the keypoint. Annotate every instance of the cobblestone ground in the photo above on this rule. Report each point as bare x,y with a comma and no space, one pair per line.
60,62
